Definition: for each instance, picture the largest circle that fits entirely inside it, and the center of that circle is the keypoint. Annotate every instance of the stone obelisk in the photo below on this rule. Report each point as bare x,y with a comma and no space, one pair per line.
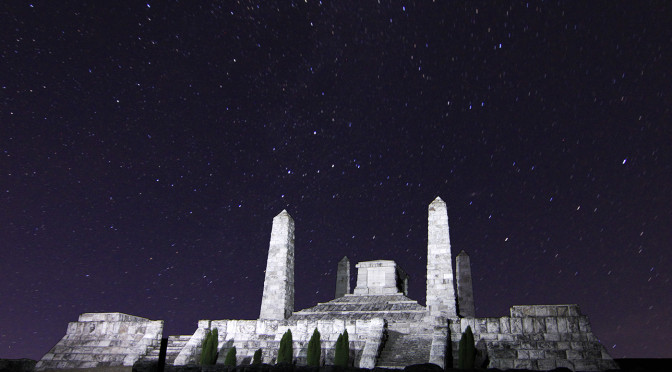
440,282
465,289
343,277
278,298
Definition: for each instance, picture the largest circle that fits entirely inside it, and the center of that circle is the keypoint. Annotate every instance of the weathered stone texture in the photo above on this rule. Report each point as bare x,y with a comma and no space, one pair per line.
539,337
465,288
395,308
278,297
381,277
103,340
440,342
343,278
386,328
250,335
441,299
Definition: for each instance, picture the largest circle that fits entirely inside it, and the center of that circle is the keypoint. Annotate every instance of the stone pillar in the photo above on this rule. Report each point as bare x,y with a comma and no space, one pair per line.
278,298
440,286
465,289
343,277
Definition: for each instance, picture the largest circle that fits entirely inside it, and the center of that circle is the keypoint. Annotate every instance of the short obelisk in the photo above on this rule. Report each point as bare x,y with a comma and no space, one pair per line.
343,277
278,298
441,299
465,289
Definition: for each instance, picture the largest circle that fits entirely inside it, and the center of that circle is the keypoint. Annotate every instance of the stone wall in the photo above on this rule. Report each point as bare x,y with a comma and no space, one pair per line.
100,340
248,336
537,337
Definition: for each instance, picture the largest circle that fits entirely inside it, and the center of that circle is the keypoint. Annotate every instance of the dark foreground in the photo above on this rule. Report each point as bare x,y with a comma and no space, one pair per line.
627,365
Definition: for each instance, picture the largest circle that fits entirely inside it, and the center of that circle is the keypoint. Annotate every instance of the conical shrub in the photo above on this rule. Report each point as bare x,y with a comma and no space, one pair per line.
230,359
256,359
209,347
467,350
314,349
286,352
342,350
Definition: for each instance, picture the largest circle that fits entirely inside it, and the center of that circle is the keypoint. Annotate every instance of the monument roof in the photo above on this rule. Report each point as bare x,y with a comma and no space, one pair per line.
394,307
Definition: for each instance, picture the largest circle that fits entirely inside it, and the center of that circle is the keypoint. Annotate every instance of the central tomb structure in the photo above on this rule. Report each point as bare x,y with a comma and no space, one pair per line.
386,328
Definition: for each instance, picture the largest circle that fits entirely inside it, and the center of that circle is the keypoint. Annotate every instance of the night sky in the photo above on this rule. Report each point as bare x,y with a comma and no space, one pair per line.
146,147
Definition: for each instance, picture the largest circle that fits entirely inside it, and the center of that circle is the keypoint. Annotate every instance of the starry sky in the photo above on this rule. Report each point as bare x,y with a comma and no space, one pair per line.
146,147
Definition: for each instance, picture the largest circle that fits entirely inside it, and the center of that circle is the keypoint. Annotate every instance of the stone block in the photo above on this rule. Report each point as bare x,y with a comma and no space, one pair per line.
505,364
246,327
563,345
505,325
505,337
325,327
504,354
555,354
516,325
551,324
592,354
539,325
536,354
551,337
563,327
486,336
573,324
528,345
584,324
564,363
524,364
492,325
578,345
481,326
301,327
528,325
544,311
546,364
565,336
579,336
466,322
231,327
574,354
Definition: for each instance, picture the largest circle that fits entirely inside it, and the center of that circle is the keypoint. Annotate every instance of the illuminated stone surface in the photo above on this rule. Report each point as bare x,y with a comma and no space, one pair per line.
386,328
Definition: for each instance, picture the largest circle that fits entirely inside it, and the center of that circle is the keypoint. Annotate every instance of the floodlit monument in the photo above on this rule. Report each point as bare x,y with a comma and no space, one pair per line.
386,328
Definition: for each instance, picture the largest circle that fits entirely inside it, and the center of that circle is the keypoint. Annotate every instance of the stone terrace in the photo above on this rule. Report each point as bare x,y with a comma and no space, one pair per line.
394,308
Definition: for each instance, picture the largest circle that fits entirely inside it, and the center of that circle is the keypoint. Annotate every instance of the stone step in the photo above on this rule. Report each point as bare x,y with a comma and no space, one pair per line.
401,350
90,357
173,348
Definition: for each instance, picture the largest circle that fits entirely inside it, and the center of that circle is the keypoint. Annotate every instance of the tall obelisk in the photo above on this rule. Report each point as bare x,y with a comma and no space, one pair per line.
465,289
343,277
278,298
440,281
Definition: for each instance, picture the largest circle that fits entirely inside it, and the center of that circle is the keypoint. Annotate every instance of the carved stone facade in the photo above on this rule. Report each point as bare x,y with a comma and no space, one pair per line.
386,328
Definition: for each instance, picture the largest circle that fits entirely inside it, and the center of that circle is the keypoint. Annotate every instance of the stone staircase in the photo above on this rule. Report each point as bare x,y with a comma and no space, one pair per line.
175,345
403,349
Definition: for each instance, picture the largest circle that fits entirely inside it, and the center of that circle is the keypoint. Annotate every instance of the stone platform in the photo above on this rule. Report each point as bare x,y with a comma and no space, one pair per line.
103,340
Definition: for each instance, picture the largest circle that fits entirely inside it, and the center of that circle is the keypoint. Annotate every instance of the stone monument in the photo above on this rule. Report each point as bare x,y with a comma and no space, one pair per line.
440,287
386,328
465,290
343,277
277,301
